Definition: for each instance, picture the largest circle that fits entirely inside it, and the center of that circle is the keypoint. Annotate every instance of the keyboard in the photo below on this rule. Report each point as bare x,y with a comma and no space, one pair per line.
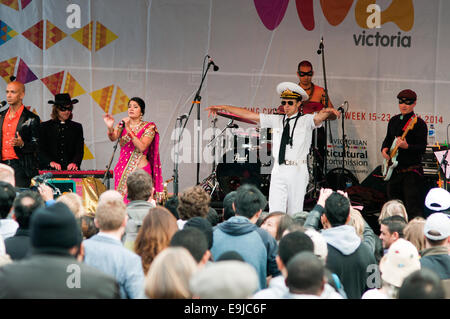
78,174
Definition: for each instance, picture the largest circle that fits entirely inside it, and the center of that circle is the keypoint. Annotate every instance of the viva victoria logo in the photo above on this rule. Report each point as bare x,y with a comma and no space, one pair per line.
367,15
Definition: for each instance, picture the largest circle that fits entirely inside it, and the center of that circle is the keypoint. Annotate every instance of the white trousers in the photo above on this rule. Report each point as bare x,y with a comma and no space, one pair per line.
287,188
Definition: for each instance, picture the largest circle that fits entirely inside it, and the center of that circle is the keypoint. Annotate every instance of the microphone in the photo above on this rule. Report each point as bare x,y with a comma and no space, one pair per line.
341,108
42,178
233,126
122,124
211,62
320,46
183,116
3,103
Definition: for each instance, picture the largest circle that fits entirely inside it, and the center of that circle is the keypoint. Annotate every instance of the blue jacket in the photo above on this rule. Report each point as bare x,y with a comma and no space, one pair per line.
254,244
108,255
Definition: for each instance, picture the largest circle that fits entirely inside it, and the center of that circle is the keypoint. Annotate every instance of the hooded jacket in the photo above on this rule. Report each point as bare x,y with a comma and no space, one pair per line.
348,258
254,244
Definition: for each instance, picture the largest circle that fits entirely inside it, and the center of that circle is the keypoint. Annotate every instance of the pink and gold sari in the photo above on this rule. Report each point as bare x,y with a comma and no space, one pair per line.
130,157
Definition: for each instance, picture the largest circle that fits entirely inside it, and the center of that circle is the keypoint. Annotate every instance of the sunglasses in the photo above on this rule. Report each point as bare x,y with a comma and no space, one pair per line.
310,73
287,102
406,101
65,108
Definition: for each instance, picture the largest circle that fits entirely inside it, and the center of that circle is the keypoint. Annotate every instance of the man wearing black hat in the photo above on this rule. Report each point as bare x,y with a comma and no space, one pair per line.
52,271
406,182
61,139
19,136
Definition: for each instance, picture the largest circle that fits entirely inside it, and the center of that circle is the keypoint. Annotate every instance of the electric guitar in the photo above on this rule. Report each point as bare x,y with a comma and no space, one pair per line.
391,164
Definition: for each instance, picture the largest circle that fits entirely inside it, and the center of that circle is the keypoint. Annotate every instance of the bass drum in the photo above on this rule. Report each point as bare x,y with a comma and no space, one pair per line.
340,178
241,167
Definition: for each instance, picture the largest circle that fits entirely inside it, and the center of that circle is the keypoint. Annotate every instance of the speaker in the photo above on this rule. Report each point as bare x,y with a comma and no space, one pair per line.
340,178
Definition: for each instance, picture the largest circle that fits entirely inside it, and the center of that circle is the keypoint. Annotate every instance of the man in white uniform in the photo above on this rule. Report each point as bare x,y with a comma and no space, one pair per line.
291,138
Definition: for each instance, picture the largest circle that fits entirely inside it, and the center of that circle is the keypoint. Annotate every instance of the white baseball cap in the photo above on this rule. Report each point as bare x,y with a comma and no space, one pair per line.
437,226
438,199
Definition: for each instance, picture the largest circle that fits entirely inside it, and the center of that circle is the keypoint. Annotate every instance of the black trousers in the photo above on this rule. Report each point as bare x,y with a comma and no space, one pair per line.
22,180
409,188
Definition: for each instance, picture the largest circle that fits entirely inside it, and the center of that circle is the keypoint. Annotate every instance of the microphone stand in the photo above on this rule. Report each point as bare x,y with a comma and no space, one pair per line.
107,175
445,163
196,101
343,146
321,51
176,150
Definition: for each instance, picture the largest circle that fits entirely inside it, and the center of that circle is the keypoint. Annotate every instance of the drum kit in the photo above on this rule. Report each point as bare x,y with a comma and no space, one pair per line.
245,157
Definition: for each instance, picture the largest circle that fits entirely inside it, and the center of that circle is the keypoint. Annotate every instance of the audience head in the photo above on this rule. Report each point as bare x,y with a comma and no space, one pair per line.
306,274
438,200
270,223
169,274
139,185
7,174
213,217
292,228
194,240
437,230
391,229
320,244
337,210
357,221
7,195
193,202
292,244
413,233
204,225
229,279
249,201
228,201
74,202
110,194
111,215
172,206
300,217
24,205
401,260
391,208
157,229
230,255
54,229
422,284
88,227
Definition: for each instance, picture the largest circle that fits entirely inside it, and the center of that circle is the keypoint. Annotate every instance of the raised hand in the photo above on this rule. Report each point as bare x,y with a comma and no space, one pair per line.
109,120
213,109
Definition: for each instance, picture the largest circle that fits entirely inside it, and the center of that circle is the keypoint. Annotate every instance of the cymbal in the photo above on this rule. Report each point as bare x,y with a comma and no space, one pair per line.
235,117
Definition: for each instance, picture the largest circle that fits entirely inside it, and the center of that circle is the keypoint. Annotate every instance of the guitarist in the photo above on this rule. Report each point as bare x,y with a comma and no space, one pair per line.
407,181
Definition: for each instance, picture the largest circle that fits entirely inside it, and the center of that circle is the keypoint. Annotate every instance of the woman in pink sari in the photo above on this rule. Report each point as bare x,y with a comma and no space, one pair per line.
139,146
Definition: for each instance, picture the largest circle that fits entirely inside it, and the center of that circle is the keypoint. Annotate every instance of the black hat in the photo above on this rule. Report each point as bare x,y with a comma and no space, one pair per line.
63,99
202,224
54,228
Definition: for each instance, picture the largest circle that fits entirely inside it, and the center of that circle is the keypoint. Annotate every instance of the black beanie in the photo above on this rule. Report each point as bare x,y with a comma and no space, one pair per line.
54,227
202,224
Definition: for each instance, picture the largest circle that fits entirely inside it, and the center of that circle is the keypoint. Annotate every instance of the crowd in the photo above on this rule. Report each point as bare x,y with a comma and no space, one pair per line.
51,248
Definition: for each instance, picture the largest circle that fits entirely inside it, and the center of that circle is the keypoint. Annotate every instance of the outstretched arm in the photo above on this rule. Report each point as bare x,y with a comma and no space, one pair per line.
249,115
325,114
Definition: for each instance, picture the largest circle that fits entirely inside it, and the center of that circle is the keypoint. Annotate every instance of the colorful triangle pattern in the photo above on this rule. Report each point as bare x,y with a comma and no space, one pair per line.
54,35
87,154
120,102
103,36
85,35
24,74
73,87
36,34
103,97
7,68
54,82
14,4
6,33
25,3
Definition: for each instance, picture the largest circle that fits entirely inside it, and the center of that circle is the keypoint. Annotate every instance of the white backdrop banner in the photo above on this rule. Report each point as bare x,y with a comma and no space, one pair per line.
104,52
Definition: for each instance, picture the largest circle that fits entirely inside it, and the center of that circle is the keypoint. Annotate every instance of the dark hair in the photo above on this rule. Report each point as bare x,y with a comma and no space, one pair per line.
249,200
337,209
54,114
304,63
422,284
213,217
283,224
172,205
305,273
24,209
292,244
204,226
230,255
193,239
140,102
228,211
395,224
88,227
7,195
139,185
